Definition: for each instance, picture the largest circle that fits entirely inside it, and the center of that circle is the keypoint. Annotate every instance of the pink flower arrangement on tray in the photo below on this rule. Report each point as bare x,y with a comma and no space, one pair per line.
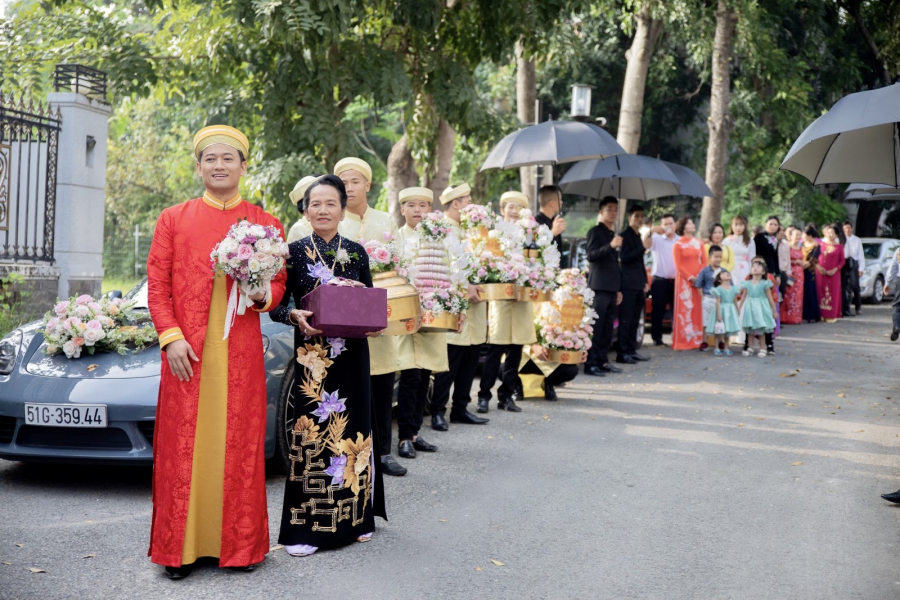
252,255
385,256
552,331
84,324
498,269
440,290
474,216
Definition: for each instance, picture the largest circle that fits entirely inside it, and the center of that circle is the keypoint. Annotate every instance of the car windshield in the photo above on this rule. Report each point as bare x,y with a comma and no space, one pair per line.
872,250
139,294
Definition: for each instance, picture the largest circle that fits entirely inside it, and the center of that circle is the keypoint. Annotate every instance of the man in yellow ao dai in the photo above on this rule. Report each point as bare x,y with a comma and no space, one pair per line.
510,326
420,354
462,348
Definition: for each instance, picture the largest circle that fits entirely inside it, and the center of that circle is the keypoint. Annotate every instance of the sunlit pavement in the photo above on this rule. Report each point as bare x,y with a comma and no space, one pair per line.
691,476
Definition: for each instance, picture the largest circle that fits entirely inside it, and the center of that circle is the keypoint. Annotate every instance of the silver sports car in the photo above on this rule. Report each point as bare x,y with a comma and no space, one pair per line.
102,408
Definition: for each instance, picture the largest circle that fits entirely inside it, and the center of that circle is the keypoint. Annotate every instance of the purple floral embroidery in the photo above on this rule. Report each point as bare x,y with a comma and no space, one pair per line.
336,470
330,404
338,345
320,272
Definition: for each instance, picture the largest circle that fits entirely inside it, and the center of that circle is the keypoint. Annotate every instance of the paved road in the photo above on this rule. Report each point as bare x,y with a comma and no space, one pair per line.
688,477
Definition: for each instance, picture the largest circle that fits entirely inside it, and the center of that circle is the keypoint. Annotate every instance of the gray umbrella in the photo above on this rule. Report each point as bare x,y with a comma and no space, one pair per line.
552,143
872,189
691,183
856,140
623,176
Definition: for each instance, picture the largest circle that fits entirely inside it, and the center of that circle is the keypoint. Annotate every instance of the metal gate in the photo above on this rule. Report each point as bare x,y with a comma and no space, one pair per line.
29,140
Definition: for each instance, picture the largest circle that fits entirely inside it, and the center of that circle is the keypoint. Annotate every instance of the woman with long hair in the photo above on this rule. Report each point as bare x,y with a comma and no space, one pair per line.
792,307
828,273
717,238
742,247
811,251
687,314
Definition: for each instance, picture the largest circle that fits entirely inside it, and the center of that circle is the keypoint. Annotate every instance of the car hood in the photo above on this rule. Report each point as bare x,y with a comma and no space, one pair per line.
103,365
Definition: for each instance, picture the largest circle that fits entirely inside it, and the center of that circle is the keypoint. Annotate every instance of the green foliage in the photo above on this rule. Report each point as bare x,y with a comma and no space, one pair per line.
13,302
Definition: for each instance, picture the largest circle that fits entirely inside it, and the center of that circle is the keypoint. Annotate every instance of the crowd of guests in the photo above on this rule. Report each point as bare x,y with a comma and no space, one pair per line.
721,289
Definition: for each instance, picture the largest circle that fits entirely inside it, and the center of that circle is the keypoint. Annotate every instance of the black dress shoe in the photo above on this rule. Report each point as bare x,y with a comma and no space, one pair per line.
639,357
406,449
608,368
389,466
439,423
176,573
659,343
468,419
550,393
595,371
893,497
509,404
626,360
895,334
423,446
483,404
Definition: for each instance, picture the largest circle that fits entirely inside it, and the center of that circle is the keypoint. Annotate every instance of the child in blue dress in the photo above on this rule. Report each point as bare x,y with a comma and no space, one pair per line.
727,321
758,309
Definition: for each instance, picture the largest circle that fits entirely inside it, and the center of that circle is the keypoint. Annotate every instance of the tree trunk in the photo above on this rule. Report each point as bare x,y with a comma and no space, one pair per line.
632,106
526,93
444,159
719,120
401,174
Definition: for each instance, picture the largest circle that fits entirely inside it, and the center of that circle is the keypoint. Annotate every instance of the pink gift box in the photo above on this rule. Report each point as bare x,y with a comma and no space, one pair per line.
343,311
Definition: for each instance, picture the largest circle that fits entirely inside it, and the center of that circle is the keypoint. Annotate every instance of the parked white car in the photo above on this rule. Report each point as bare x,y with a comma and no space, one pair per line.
879,252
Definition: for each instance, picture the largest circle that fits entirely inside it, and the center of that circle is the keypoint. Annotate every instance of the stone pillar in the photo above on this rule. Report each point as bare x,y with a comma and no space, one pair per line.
80,193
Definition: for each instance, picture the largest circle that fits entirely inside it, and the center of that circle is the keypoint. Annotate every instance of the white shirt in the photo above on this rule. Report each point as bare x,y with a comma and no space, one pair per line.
663,250
853,249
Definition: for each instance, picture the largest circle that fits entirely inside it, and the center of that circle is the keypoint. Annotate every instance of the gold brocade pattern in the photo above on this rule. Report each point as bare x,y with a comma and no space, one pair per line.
350,459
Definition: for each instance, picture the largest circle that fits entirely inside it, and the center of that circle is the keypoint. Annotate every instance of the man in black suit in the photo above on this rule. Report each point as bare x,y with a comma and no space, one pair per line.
605,279
634,286
550,214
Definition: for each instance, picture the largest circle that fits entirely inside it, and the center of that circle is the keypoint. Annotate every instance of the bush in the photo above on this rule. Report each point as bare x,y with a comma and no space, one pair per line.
13,311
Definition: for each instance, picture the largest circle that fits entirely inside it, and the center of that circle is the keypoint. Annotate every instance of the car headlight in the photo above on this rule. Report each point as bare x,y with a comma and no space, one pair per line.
9,350
265,343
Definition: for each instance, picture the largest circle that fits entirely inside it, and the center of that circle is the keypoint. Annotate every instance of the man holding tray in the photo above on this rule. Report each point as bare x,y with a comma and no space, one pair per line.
462,348
421,354
362,222
510,326
209,485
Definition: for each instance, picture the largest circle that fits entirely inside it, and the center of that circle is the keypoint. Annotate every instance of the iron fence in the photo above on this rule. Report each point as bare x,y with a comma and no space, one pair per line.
29,142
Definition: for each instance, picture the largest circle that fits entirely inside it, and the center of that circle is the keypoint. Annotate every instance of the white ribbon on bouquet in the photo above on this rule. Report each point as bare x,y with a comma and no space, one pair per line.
238,301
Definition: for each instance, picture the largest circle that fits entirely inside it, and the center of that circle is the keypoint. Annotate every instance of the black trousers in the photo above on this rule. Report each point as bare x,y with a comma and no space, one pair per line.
412,394
605,307
382,400
508,371
560,375
663,292
629,317
895,304
850,285
463,364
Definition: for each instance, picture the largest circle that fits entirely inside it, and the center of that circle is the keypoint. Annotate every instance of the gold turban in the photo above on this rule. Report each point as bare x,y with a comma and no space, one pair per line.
300,189
354,164
452,193
515,197
416,193
221,134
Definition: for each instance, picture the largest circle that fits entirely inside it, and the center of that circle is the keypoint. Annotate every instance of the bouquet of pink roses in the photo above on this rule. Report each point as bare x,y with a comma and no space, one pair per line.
252,255
475,216
385,256
557,333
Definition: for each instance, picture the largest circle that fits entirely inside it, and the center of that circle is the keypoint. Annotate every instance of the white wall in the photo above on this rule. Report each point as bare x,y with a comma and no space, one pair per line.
80,193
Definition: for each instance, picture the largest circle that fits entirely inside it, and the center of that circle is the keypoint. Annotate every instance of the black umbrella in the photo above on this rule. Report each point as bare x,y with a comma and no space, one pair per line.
552,143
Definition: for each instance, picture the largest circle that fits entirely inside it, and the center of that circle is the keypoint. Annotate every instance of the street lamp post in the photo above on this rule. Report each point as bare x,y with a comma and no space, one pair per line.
581,101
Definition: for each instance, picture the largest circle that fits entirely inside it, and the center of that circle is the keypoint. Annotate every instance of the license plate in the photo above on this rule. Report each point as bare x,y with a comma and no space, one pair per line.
66,415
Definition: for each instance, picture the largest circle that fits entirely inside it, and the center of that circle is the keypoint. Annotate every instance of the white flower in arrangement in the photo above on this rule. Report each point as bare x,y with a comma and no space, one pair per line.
264,245
92,336
544,237
551,256
253,265
71,350
525,213
257,231
342,256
